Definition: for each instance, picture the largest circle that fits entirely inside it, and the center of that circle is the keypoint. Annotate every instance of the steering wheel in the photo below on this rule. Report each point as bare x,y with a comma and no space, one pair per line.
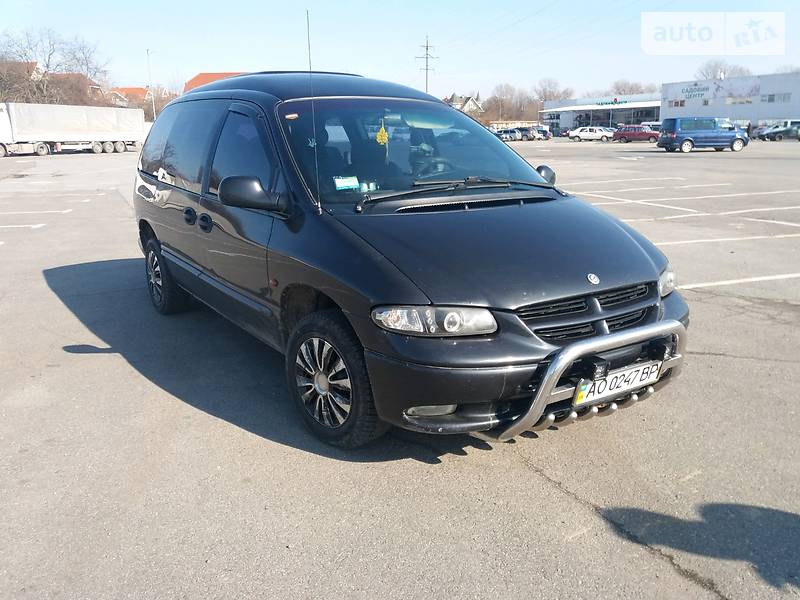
435,164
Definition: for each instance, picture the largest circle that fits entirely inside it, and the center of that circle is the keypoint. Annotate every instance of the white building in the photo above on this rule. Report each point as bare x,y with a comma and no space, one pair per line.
606,111
759,99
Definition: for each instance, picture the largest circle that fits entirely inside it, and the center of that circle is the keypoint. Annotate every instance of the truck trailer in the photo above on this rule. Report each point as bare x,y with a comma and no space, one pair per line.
46,128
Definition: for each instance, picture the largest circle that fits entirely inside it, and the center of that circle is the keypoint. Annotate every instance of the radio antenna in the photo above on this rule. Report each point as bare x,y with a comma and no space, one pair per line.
313,113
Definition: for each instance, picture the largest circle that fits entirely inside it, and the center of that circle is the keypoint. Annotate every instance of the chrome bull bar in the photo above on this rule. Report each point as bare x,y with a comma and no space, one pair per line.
562,360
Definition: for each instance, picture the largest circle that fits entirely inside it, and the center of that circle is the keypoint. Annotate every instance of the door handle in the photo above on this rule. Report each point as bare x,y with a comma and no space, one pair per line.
204,222
189,215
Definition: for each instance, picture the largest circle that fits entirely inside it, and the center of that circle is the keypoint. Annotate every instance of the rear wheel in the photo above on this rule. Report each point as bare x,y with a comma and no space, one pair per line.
576,139
97,147
623,140
604,138
42,149
524,138
108,147
119,147
165,294
651,139
686,146
327,378
719,149
670,149
737,145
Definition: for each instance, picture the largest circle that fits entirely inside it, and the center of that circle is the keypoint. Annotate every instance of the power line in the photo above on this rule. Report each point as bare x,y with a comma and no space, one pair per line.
427,56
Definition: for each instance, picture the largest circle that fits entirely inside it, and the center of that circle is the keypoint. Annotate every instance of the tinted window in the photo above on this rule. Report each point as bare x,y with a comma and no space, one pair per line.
668,125
240,151
706,124
188,143
156,140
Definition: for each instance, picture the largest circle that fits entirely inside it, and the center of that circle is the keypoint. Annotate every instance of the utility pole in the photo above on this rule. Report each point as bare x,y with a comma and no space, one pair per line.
428,57
150,85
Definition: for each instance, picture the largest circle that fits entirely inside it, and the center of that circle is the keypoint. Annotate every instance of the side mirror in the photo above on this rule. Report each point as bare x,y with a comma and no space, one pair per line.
547,173
244,191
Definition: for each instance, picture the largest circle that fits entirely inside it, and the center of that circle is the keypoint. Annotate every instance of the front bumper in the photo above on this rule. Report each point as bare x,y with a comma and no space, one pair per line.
488,398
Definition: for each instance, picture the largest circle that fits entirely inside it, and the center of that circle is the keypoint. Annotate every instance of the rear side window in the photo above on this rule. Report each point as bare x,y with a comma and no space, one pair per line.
188,143
154,146
706,124
668,125
240,151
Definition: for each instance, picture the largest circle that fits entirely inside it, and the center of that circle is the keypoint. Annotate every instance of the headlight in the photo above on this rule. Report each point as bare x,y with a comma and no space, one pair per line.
666,281
435,321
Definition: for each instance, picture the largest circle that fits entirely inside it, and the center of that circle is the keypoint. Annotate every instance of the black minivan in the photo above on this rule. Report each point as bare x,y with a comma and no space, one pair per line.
414,270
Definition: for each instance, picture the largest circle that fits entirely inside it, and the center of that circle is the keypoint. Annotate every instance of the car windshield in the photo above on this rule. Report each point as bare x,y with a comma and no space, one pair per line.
355,146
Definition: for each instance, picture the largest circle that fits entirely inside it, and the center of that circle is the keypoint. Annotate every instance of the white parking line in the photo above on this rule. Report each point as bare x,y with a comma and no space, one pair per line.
642,202
772,221
730,239
39,212
84,201
693,286
694,185
752,210
724,195
670,217
623,180
36,226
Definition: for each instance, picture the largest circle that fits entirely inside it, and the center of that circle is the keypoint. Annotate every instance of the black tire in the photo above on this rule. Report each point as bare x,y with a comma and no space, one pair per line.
524,138
670,149
108,147
652,140
737,145
623,140
97,148
42,149
167,297
686,146
719,149
3,151
604,138
119,147
361,424
779,137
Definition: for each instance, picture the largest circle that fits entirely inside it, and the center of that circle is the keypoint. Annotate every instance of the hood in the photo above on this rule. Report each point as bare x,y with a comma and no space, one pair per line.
510,256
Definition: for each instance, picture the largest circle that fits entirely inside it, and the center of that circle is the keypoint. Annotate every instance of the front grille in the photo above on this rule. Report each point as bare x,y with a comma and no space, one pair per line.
560,322
626,320
622,295
563,334
553,309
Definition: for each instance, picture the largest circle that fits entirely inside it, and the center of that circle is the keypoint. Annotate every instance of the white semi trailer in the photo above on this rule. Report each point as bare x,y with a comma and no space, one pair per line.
45,128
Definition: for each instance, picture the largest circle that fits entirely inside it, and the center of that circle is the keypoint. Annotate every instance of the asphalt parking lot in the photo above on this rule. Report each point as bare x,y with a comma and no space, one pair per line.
151,457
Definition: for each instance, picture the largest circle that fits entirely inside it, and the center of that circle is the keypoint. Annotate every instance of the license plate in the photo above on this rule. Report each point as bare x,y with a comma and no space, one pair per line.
616,383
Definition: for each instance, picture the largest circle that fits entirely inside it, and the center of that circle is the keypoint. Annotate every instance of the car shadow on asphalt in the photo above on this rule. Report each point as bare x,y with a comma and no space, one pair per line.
209,363
765,538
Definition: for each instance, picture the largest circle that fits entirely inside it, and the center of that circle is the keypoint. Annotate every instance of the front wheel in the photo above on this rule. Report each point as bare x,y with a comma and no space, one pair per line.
97,148
604,138
737,145
524,138
165,294
686,146
719,149
779,138
42,150
652,140
328,380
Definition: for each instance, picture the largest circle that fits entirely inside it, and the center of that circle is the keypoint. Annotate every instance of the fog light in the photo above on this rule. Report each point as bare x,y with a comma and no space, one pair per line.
432,411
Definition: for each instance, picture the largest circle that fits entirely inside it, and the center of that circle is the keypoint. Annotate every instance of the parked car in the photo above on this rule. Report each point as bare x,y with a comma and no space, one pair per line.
344,251
504,135
654,125
779,134
545,133
687,133
768,133
590,133
635,133
514,135
529,133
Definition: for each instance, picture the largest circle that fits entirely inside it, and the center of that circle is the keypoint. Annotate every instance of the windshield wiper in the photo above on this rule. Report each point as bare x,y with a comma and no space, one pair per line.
478,181
441,186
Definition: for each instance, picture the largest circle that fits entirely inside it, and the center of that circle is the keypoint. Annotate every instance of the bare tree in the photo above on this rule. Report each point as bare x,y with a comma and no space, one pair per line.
549,89
40,66
788,69
623,87
719,69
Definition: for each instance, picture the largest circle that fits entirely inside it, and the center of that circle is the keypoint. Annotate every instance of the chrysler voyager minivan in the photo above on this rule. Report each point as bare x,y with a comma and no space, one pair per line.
412,268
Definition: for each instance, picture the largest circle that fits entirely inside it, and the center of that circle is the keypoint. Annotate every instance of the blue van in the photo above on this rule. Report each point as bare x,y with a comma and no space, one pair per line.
687,133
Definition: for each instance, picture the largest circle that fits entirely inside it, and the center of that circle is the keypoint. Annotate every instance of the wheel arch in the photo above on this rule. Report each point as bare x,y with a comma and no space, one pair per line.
300,300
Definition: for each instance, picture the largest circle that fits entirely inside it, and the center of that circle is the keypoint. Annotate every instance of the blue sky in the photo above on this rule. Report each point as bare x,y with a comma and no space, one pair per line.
583,44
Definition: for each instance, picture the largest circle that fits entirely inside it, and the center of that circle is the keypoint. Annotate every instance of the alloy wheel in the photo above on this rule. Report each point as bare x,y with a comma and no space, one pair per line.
323,382
154,280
